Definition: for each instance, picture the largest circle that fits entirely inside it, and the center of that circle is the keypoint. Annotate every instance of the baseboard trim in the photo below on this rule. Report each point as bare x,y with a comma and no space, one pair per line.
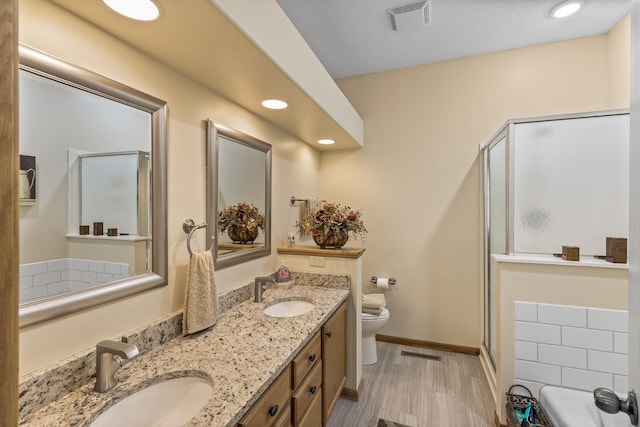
489,371
428,344
351,394
497,420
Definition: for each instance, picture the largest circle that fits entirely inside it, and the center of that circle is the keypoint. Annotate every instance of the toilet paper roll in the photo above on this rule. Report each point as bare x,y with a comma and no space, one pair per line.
382,283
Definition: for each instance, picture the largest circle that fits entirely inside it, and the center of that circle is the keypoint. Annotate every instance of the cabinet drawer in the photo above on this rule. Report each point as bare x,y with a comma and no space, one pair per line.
284,420
310,388
272,403
313,417
306,360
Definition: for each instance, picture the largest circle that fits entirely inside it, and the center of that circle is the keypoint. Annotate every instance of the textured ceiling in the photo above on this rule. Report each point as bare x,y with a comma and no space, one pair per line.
353,37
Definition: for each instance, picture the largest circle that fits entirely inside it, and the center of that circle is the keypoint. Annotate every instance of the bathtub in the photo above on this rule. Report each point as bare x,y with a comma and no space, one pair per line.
567,407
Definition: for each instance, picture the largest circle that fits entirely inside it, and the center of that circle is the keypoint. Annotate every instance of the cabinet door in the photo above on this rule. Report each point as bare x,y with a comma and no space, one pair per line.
334,360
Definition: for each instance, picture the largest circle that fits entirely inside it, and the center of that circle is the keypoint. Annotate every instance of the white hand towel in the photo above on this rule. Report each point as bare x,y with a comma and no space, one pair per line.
373,303
200,295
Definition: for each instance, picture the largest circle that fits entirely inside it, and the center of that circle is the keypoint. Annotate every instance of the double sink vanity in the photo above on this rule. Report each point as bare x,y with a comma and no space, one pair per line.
250,369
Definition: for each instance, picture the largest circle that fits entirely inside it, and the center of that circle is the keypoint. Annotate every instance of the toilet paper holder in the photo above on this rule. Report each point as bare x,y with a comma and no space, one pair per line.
374,279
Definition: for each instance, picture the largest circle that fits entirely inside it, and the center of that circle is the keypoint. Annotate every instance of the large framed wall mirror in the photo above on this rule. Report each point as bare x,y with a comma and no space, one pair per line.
238,195
96,231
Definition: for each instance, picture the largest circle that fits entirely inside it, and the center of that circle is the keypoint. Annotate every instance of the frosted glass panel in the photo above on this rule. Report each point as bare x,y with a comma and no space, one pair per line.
110,192
570,184
498,199
497,232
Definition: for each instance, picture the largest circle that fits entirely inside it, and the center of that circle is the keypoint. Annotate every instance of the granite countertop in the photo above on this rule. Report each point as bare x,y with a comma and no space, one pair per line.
242,355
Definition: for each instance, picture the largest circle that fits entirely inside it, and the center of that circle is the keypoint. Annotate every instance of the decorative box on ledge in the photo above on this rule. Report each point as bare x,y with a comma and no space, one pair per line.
571,253
616,249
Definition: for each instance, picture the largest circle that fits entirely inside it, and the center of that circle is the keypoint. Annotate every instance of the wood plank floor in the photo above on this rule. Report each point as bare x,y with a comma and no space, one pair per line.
417,392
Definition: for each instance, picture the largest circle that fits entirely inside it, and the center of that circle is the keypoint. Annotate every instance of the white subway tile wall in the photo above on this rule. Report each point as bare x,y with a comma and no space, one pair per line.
50,278
527,311
621,342
569,346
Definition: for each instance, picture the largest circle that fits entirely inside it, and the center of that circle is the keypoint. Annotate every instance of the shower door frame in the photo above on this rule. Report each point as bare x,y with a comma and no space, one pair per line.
507,131
502,134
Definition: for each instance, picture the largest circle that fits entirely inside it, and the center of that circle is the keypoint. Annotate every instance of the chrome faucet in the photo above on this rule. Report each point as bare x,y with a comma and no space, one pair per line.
110,356
260,285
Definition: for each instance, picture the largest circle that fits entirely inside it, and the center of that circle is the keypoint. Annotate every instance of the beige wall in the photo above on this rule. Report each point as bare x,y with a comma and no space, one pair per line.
418,176
295,171
619,64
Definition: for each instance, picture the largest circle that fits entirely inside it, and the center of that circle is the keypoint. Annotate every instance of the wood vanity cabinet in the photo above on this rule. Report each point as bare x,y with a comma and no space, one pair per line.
306,391
334,360
273,408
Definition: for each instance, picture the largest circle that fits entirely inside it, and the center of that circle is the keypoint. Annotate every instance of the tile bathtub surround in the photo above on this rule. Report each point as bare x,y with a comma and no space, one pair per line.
42,387
50,278
570,346
226,354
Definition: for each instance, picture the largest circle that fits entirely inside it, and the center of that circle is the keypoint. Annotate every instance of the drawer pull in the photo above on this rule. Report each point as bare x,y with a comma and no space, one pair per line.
273,410
312,358
329,334
313,390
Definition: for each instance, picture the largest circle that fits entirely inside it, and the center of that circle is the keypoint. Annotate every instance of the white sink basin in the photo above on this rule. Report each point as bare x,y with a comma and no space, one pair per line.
166,404
288,308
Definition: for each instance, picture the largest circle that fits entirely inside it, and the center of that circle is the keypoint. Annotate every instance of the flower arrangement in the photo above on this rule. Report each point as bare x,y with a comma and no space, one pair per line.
333,218
242,216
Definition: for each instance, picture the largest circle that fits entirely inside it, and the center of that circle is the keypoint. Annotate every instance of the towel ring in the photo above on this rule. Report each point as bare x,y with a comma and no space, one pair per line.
190,227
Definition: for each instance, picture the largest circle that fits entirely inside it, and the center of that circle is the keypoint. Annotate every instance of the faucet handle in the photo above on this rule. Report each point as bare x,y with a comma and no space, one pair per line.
125,350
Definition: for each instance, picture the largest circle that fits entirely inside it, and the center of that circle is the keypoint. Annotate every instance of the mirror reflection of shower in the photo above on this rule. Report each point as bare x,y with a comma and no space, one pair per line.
114,190
67,112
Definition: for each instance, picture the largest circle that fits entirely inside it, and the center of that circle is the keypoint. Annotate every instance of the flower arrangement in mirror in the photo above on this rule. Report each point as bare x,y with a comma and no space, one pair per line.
241,221
332,225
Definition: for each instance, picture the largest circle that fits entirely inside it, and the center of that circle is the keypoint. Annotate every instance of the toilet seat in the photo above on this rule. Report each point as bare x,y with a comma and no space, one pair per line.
369,316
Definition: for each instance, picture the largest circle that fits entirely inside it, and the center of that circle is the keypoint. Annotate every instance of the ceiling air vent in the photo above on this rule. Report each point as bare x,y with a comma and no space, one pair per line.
410,16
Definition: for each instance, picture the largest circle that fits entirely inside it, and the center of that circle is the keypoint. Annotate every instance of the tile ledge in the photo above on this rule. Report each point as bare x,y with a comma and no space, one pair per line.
585,261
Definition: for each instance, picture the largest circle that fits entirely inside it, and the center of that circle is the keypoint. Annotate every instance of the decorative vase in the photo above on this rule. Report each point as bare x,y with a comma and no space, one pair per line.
333,238
240,235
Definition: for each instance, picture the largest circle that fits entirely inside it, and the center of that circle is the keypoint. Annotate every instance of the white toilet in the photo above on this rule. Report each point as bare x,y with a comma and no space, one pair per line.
371,324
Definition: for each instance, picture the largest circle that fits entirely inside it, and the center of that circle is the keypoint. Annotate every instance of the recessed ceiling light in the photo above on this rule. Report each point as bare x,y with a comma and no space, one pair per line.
566,8
274,104
140,10
326,141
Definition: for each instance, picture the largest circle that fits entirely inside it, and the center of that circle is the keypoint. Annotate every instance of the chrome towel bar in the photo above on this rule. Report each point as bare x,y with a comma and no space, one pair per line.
294,199
190,227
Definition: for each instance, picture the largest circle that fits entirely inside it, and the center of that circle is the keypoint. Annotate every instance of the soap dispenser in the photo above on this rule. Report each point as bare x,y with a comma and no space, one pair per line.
283,273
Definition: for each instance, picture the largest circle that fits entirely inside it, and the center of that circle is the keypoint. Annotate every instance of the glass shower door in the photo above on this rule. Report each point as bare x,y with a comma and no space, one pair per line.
495,176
